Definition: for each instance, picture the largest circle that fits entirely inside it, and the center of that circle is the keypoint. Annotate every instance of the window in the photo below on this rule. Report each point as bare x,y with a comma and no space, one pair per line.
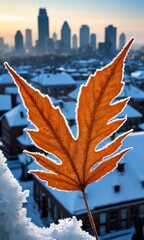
49,91
62,91
113,221
102,230
49,203
133,214
123,218
123,213
123,224
102,218
56,212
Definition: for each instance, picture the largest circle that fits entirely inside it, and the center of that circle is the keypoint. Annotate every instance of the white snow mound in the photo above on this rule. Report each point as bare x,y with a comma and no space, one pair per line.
14,224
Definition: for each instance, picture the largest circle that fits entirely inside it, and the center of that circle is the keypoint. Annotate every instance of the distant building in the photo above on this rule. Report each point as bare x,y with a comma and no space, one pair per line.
122,40
5,81
102,49
58,47
19,45
5,105
93,41
110,41
54,37
28,39
65,38
12,124
43,31
1,44
57,85
74,42
49,45
84,36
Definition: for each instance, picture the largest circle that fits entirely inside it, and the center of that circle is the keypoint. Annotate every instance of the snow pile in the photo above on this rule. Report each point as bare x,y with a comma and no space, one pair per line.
14,224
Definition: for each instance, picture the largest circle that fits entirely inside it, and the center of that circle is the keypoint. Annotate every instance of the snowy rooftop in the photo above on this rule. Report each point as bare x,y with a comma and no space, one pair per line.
141,126
5,78
74,94
132,91
5,102
130,112
11,90
138,75
68,110
17,116
130,181
54,79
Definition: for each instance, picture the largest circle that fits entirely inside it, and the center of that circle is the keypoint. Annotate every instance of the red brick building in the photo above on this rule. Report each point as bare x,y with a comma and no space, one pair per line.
57,85
12,124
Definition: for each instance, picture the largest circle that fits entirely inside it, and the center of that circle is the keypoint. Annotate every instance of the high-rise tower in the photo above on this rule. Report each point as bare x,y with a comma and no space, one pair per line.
19,46
28,39
74,42
110,40
84,36
43,31
65,38
122,40
93,41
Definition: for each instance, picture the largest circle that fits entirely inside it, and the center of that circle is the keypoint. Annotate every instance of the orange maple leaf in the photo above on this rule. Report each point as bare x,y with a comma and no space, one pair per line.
94,113
81,162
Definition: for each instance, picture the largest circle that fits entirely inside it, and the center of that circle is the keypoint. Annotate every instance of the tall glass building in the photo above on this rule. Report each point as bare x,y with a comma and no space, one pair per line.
43,30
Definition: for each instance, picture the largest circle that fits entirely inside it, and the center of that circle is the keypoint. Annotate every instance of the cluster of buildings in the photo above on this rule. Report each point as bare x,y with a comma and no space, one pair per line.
117,200
67,44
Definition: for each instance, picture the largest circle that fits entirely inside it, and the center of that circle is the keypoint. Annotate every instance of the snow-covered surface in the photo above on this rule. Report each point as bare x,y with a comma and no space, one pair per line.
14,117
138,75
5,102
68,110
130,112
141,126
5,78
132,91
11,90
74,94
54,79
130,181
24,159
14,225
125,234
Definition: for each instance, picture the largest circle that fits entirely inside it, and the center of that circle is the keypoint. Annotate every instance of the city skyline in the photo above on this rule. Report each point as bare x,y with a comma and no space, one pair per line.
126,16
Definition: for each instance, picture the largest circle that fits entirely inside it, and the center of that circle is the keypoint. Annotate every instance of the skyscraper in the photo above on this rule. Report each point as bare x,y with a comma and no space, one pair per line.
43,30
28,39
84,36
122,40
93,41
65,38
110,40
74,42
19,46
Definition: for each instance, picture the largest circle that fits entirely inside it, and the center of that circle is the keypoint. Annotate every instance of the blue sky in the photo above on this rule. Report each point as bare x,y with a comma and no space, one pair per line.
126,15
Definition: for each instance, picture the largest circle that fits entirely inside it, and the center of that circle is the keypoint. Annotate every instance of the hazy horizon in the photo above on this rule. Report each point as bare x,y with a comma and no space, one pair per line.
127,16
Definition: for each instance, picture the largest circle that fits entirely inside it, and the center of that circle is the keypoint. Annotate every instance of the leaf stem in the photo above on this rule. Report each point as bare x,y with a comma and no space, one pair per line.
90,216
